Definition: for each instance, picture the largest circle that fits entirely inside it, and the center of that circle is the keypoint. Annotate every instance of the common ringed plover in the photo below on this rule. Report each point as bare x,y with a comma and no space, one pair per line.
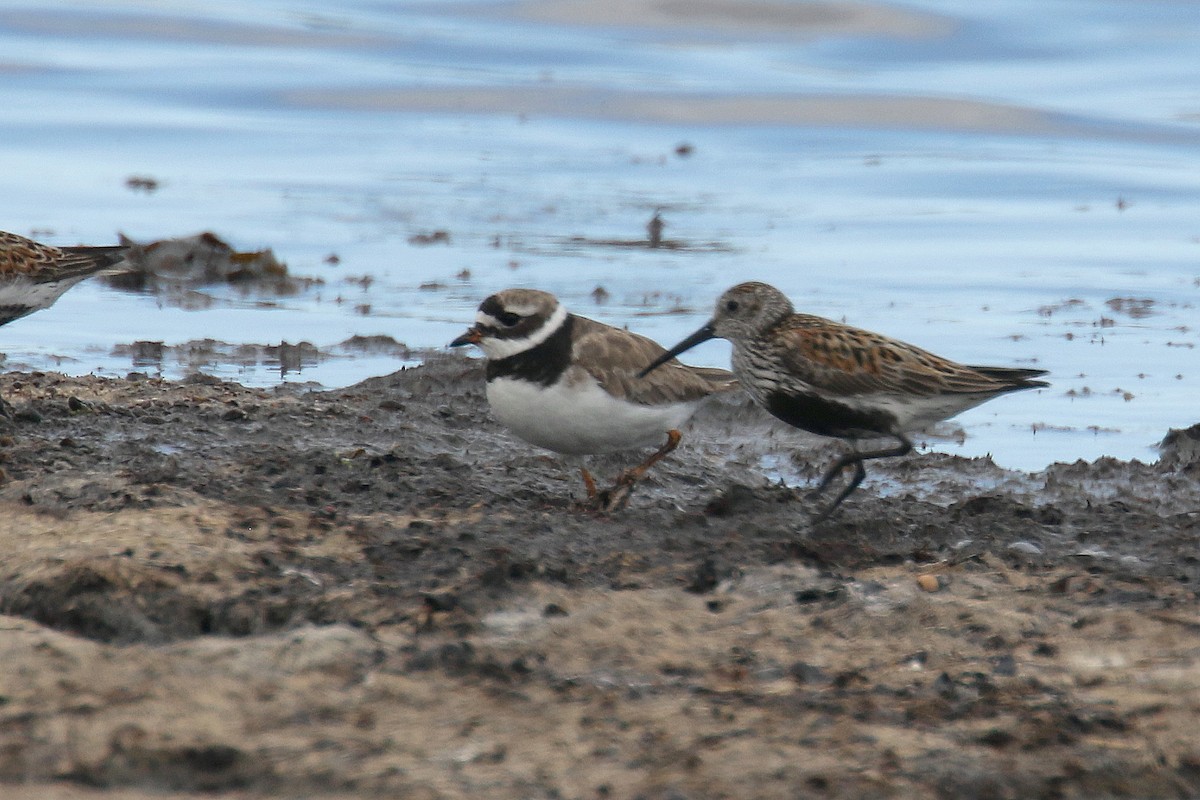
570,384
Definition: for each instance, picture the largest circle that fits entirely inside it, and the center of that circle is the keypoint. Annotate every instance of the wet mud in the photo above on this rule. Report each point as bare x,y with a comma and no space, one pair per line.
377,592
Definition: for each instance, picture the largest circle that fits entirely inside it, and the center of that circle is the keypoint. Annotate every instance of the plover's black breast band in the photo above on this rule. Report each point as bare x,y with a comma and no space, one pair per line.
543,364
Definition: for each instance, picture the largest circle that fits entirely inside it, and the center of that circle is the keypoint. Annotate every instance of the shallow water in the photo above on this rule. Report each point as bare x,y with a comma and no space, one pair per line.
1007,183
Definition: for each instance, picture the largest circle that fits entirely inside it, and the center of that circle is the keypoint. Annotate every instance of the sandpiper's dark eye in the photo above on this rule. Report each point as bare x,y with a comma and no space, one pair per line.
508,318
731,306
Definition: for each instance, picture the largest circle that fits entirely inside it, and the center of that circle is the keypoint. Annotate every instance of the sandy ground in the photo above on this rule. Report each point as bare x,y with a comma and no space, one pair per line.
376,592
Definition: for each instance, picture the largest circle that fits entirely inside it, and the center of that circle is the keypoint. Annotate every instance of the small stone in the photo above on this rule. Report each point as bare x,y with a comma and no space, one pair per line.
804,673
929,583
1004,665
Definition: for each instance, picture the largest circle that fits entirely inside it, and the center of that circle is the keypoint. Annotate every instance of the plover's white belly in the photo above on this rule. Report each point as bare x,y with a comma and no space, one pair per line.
580,418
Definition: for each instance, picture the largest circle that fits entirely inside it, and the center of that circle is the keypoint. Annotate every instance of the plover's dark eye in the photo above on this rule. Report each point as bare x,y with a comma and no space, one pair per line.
731,306
508,318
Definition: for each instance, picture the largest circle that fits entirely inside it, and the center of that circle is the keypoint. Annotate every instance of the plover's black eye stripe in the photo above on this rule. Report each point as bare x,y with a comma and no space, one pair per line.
492,307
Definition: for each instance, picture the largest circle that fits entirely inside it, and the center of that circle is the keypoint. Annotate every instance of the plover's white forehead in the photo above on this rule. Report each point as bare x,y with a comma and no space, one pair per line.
495,319
523,302
527,309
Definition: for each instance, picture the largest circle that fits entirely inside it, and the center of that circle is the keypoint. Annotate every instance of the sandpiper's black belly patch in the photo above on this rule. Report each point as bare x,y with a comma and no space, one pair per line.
9,313
817,414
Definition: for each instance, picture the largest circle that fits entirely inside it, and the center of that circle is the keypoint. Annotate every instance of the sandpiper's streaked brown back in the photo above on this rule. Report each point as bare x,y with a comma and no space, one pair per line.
837,380
33,275
44,262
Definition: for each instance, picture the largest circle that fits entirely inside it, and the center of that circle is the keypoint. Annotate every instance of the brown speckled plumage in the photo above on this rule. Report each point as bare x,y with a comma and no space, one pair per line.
850,361
34,275
38,262
836,380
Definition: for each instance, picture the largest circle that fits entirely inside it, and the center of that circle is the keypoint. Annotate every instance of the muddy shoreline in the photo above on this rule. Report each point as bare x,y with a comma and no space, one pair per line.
375,591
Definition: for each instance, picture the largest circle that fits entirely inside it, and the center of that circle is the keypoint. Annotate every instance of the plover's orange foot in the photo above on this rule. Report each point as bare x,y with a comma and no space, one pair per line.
616,497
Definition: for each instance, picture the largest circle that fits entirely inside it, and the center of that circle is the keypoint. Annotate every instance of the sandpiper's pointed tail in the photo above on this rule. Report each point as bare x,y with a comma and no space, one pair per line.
1017,377
80,261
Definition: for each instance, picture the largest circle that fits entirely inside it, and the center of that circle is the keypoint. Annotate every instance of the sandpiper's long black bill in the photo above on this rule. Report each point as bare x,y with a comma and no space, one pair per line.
472,336
702,335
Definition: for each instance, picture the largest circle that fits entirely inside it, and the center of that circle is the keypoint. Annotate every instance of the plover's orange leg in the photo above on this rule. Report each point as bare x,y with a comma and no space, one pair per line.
617,496
637,473
589,483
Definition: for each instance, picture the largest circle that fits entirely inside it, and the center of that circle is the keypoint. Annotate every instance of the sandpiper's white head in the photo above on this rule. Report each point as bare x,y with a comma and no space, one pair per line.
513,321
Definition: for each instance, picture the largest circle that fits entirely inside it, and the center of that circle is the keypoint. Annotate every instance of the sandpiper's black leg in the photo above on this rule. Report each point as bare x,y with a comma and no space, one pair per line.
860,472
855,459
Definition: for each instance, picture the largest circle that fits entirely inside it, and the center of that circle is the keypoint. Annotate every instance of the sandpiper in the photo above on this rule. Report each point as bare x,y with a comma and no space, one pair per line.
568,384
34,275
840,381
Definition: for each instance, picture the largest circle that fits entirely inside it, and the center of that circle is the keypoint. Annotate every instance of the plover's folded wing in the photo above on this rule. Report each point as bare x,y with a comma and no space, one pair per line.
614,356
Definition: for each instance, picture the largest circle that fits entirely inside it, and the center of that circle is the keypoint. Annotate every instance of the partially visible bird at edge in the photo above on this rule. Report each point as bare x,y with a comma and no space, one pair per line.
34,275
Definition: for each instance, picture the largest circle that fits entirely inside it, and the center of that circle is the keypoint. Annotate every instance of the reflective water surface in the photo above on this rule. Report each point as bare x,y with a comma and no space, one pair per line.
1002,182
